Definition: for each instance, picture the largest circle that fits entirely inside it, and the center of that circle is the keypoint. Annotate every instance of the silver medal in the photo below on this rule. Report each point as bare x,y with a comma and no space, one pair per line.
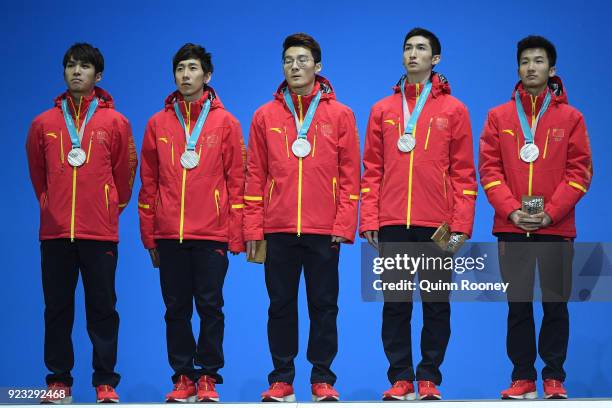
190,159
77,157
301,148
529,152
406,143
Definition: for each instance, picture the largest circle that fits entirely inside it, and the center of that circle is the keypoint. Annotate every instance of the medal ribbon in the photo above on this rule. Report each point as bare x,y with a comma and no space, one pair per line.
529,132
418,108
76,137
303,129
192,139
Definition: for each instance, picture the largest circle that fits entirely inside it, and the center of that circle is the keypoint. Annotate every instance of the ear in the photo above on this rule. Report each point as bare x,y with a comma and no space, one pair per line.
318,67
552,71
98,77
435,59
207,77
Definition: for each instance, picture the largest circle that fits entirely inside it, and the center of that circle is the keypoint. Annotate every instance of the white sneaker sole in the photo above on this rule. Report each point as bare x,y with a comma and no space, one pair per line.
181,400
108,401
66,400
527,395
288,398
324,399
429,397
555,396
406,397
208,399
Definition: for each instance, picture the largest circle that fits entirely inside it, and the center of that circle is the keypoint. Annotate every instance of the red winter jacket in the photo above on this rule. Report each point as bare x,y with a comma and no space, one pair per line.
562,173
318,194
203,203
434,183
83,202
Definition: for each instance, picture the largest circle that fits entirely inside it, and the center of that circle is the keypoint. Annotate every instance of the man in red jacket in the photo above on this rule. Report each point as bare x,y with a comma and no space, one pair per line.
535,164
82,163
301,195
190,207
418,174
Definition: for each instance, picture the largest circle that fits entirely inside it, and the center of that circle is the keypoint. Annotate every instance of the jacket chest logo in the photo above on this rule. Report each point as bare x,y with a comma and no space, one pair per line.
441,123
327,129
101,136
558,134
211,140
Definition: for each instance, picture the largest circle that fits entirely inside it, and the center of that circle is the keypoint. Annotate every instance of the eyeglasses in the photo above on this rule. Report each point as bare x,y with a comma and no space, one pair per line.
301,61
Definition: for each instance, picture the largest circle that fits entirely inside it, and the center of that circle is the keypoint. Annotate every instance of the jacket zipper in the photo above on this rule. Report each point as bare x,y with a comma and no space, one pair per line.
182,215
106,191
62,147
334,184
533,120
314,142
286,141
172,150
546,144
73,206
428,131
409,207
270,192
444,184
300,165
217,203
89,148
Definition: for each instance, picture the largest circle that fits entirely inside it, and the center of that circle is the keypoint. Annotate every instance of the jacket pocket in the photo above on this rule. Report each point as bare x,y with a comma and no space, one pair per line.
107,202
334,188
270,191
217,204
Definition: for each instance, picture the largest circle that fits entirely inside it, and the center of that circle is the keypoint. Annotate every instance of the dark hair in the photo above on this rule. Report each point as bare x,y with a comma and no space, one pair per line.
536,41
303,40
85,53
193,51
436,47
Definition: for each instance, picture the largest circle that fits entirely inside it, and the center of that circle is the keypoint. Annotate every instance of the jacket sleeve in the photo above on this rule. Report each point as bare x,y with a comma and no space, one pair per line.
491,170
349,169
149,177
234,158
462,174
578,174
124,161
257,173
373,165
36,160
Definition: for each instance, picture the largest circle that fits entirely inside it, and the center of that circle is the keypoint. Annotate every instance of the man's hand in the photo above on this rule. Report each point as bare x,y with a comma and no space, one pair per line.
525,221
154,257
250,249
546,220
372,237
338,239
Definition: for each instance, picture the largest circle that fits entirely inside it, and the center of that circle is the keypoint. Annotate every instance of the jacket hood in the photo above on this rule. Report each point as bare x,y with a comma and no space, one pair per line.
555,85
105,99
327,92
209,93
439,84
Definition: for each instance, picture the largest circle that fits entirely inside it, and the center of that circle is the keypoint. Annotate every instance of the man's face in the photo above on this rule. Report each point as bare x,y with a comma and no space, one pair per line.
80,77
534,68
299,67
190,77
418,56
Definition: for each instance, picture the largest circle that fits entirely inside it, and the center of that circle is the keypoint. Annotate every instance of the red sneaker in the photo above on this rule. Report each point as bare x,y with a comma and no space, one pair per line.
279,392
324,392
184,391
206,389
57,393
520,389
553,389
106,394
401,390
428,391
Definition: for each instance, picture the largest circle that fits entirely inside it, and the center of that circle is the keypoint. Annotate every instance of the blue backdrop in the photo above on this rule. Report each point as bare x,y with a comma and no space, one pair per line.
362,54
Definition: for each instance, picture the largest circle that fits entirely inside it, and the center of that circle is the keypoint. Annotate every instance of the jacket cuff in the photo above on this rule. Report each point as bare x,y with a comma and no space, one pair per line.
508,207
149,243
236,247
462,228
348,235
372,226
254,235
